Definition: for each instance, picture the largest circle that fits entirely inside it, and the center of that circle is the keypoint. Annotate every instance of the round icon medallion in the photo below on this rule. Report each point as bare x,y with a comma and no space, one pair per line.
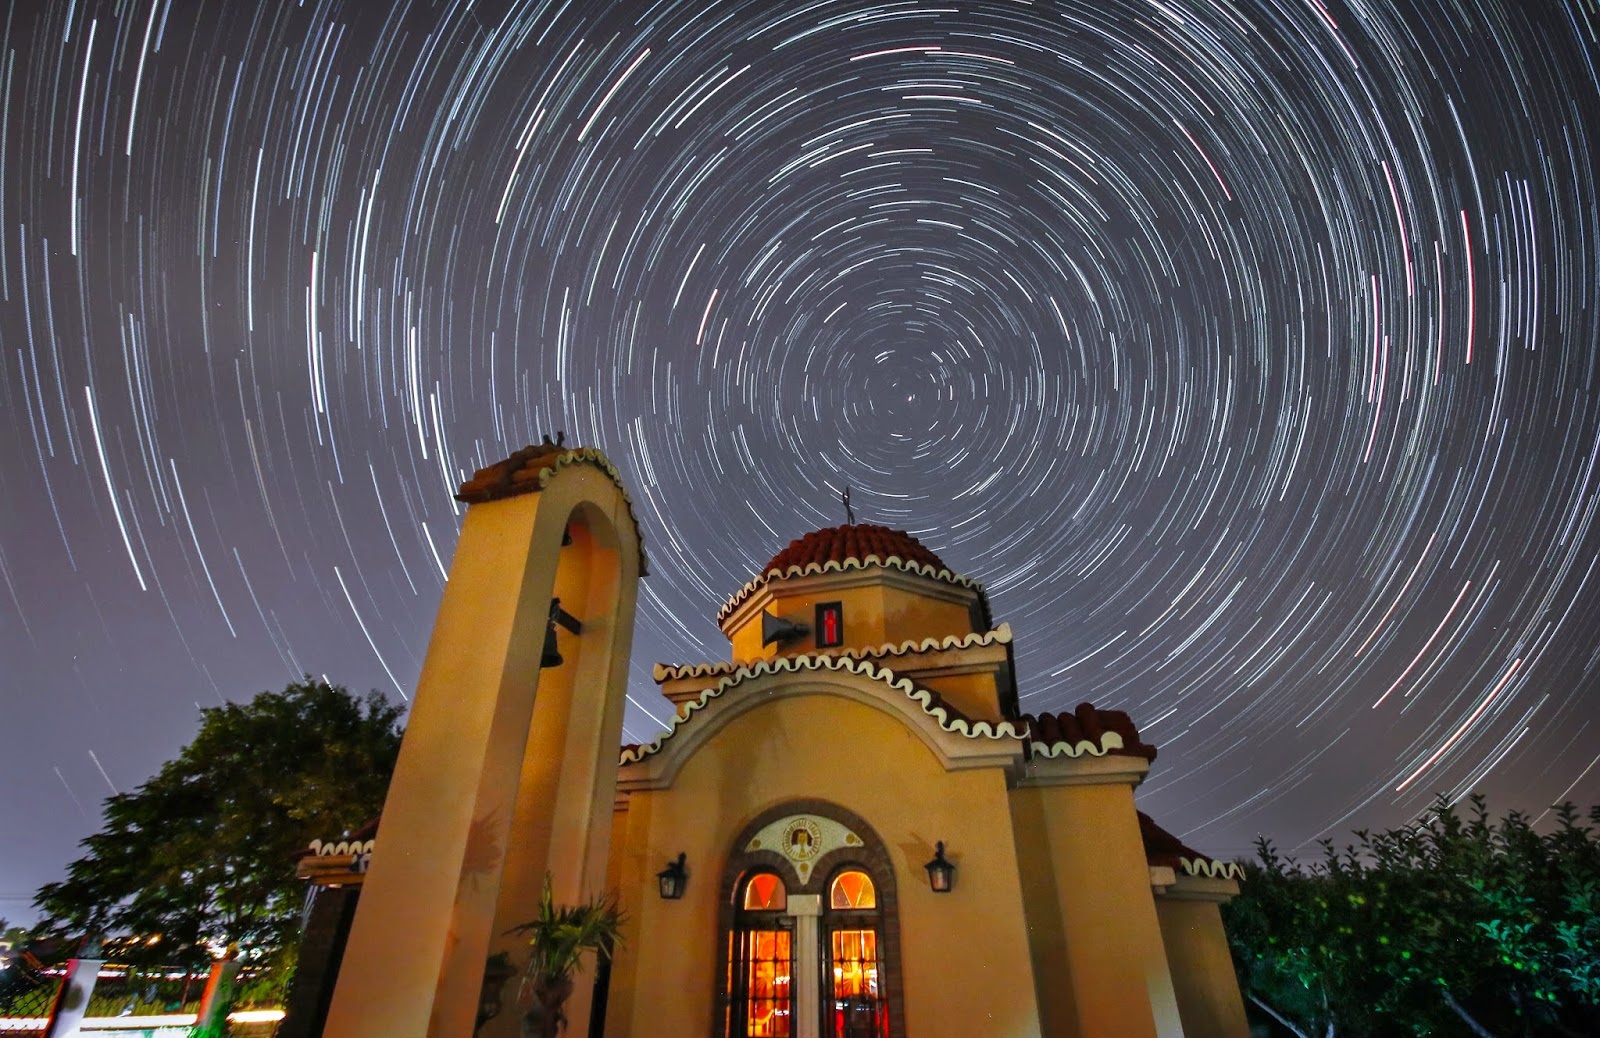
802,840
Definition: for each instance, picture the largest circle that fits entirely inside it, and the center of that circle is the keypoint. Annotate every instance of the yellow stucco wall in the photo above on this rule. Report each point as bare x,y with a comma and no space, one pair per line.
1202,969
863,621
1096,942
908,616
965,964
975,695
1058,1008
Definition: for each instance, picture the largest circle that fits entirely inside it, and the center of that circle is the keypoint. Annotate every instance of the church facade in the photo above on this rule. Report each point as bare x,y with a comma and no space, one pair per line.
851,830
876,841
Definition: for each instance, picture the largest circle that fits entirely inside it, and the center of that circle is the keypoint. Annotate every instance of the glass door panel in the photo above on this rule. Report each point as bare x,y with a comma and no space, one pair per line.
766,967
857,1006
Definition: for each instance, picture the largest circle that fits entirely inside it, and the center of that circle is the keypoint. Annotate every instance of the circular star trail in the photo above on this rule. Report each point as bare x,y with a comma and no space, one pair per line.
1245,352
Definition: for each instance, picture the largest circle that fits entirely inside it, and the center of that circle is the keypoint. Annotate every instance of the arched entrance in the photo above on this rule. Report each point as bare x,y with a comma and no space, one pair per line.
809,929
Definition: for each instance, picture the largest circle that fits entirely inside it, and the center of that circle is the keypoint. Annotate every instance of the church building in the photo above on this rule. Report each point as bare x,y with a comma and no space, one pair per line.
851,829
876,841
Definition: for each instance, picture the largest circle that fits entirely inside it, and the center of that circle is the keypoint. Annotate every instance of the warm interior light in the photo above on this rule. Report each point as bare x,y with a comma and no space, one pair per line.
858,1004
852,890
768,983
765,893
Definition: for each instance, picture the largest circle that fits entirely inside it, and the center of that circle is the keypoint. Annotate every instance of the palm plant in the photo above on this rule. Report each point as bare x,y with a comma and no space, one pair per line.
558,939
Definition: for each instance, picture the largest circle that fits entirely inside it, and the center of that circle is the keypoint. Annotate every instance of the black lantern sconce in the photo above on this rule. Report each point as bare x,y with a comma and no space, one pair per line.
673,879
941,874
551,657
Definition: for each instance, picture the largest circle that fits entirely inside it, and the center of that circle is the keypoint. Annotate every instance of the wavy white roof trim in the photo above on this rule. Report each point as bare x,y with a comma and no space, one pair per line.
322,848
921,569
924,697
999,636
1108,741
590,456
578,456
1211,868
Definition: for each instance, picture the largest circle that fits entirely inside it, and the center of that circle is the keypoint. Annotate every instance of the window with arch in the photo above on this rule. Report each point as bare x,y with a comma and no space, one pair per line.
761,960
807,936
857,1005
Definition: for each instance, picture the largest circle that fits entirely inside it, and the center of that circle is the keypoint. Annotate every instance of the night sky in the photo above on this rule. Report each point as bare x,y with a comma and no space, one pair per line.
1245,352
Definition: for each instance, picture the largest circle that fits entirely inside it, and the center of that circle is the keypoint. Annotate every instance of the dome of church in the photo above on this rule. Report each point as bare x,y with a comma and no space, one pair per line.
858,541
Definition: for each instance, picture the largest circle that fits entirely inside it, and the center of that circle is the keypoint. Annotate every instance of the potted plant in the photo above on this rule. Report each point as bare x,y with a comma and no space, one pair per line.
558,939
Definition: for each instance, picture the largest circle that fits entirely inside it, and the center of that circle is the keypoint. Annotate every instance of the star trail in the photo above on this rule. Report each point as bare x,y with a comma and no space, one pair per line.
1245,352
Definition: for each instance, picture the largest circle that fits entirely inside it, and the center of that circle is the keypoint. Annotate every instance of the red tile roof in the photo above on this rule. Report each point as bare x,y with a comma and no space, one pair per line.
857,541
518,474
858,546
526,471
1161,848
1088,724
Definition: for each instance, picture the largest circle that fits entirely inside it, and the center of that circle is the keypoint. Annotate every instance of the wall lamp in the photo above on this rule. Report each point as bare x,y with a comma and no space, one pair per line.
941,874
673,879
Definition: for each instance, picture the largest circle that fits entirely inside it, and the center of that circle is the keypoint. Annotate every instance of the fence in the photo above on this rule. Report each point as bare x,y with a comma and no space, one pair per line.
250,1023
128,1002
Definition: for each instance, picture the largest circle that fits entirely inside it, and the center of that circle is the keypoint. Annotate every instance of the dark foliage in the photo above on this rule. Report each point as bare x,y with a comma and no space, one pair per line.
1459,925
201,855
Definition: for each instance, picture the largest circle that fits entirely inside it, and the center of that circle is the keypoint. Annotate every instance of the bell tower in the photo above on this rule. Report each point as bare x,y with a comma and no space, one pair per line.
508,767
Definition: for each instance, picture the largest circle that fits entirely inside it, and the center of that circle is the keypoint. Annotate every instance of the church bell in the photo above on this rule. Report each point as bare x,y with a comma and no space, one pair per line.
551,656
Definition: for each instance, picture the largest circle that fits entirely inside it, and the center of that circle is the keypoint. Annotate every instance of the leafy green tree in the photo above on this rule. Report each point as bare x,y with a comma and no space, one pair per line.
200,856
1457,925
1291,933
1511,918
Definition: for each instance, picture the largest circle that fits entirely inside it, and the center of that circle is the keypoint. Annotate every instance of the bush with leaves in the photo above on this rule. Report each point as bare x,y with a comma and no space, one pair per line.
1458,925
558,939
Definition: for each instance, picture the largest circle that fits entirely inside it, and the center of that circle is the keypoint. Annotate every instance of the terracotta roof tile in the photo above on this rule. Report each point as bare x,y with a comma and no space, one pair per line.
1161,848
527,470
842,548
1087,724
857,541
518,474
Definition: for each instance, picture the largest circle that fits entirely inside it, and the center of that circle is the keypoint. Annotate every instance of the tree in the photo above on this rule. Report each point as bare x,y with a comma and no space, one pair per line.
1289,933
1457,925
200,857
